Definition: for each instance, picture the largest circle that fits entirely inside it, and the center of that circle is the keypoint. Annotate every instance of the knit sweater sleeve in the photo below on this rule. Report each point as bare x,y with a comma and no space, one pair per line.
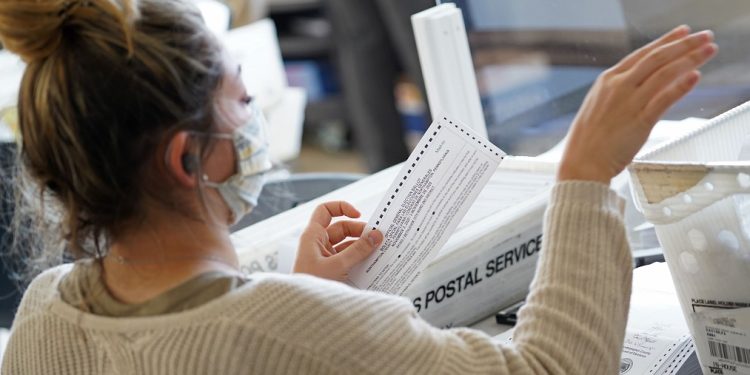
575,315
573,322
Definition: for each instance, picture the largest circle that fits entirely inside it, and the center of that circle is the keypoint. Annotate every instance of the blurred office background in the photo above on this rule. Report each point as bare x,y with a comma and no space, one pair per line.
365,104
534,61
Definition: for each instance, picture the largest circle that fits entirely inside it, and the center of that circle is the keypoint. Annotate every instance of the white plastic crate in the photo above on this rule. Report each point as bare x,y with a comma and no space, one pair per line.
696,191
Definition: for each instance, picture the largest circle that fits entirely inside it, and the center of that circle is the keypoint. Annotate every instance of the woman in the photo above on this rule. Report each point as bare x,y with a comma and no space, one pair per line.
134,123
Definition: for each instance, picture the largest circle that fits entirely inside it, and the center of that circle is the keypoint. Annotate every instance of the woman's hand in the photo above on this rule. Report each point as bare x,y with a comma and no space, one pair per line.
628,99
327,250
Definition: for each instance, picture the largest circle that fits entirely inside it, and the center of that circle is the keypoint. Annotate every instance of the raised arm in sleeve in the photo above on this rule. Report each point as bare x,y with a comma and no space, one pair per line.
575,315
573,322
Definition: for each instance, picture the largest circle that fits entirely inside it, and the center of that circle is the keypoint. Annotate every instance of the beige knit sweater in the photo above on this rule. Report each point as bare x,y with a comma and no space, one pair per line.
573,323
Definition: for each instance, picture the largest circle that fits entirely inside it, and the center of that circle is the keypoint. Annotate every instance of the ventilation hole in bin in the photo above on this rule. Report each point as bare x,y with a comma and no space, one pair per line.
744,180
729,240
697,239
687,198
709,186
688,262
667,211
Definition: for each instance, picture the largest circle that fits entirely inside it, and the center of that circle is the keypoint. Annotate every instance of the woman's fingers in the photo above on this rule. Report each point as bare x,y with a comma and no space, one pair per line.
665,54
670,73
656,108
630,60
325,212
340,230
349,255
341,247
329,250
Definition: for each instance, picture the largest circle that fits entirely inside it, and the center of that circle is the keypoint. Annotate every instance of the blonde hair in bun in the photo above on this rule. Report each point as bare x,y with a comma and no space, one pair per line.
106,83
33,29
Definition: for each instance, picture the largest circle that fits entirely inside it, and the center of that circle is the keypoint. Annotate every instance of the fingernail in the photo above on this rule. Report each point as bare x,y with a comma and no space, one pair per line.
683,28
374,238
710,49
706,35
694,77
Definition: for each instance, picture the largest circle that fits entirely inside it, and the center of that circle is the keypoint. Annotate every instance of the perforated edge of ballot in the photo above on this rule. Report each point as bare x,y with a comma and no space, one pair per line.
425,203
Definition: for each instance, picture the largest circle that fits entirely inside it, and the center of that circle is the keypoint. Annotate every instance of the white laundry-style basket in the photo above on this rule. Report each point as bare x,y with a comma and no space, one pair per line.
696,192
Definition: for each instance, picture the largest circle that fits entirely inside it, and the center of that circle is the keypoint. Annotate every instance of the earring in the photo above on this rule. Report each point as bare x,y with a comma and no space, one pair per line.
189,163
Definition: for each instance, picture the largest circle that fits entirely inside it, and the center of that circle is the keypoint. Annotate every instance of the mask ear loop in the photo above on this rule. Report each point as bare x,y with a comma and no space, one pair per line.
203,180
204,177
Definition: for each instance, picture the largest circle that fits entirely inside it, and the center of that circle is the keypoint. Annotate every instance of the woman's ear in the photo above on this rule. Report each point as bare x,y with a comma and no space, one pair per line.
181,160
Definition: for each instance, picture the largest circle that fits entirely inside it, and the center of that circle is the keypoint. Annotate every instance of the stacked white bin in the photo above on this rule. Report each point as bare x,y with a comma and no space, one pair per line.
696,192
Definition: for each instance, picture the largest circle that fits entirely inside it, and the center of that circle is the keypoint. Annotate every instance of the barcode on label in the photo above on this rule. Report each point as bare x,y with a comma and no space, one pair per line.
730,352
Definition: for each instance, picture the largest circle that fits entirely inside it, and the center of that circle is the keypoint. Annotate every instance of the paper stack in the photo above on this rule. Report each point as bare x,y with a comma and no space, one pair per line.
657,338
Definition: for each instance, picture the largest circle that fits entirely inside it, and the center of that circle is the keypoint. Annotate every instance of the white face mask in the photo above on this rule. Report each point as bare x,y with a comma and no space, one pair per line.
241,190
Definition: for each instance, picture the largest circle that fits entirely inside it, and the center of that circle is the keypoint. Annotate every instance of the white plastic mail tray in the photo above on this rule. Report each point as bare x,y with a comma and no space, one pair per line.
695,192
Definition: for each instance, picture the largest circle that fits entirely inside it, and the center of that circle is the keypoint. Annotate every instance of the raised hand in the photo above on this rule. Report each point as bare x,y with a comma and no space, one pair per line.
628,99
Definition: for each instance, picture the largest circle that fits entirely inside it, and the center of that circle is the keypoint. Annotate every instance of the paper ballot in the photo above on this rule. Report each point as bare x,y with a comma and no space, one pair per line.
429,197
497,242
657,338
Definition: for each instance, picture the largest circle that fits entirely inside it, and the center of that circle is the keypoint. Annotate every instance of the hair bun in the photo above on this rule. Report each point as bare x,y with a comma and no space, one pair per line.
32,28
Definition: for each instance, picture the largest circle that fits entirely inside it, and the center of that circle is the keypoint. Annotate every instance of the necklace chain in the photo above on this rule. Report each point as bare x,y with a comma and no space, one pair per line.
123,260
119,259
